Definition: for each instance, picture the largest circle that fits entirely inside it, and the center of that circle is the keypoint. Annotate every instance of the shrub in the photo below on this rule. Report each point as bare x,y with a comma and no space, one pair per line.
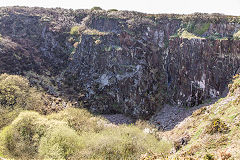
201,28
13,89
112,10
21,138
15,92
96,8
74,30
208,157
217,126
237,35
31,135
59,142
123,142
7,116
79,119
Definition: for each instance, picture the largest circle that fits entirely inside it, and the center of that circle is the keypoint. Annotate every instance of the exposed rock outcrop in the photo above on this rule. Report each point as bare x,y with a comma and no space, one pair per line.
121,62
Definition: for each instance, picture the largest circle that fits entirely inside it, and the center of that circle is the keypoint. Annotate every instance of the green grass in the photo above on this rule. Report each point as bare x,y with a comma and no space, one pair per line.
201,28
237,35
186,34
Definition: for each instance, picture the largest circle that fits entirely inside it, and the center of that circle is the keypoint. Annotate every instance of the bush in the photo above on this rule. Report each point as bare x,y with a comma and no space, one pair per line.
208,157
74,30
79,119
21,138
59,142
13,89
31,136
123,142
112,10
217,126
96,8
31,133
200,29
15,92
7,116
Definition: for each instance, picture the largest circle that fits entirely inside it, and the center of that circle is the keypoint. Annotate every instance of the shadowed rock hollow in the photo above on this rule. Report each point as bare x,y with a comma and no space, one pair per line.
120,61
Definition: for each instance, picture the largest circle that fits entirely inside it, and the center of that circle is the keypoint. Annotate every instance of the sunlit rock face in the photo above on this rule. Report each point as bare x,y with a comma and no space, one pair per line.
121,62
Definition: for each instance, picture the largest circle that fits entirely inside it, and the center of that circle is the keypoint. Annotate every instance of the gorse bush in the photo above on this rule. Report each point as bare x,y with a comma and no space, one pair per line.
96,8
59,142
15,92
21,138
75,30
7,116
217,126
13,89
16,95
123,142
80,120
32,135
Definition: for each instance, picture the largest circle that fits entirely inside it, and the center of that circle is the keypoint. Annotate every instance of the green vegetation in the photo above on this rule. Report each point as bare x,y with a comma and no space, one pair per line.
112,10
123,142
96,8
201,28
28,135
214,129
235,85
208,157
217,126
70,134
196,28
16,95
15,92
237,35
74,133
80,120
74,30
94,32
186,34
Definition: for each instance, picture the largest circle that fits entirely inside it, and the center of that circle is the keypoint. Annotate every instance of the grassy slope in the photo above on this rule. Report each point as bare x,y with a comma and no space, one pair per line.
208,137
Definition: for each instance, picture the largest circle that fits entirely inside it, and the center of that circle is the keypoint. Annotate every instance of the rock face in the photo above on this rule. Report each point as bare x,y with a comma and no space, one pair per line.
121,62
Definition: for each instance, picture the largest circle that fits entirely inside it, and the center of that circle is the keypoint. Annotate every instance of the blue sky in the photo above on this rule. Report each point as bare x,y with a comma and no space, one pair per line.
230,7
